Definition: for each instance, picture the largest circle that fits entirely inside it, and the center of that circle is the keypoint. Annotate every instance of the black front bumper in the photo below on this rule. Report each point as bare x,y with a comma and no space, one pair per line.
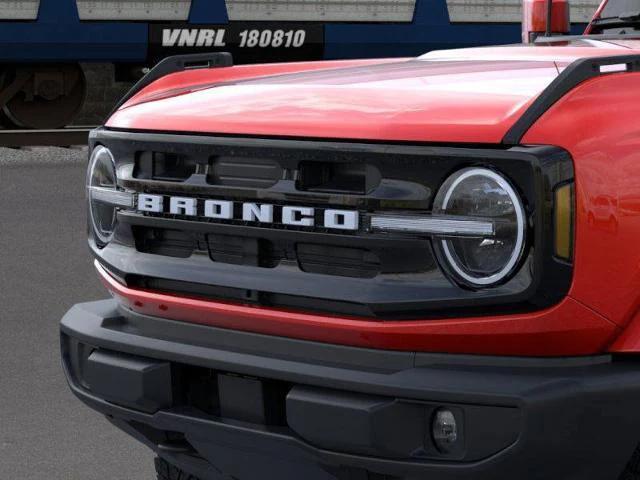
223,403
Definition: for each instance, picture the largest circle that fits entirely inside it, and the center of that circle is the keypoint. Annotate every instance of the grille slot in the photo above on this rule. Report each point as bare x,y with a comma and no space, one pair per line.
160,241
328,177
340,261
237,250
167,167
243,172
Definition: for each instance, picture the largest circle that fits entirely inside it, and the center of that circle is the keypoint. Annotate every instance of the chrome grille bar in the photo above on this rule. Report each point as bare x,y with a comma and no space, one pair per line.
432,225
112,197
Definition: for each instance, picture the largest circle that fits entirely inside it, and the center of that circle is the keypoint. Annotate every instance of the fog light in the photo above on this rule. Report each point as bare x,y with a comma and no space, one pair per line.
445,430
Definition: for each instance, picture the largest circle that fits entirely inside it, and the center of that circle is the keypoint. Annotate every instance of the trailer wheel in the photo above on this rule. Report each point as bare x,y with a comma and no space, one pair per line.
42,96
166,471
5,122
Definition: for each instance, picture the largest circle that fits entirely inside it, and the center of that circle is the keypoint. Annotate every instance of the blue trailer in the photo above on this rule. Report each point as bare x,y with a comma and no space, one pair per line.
42,41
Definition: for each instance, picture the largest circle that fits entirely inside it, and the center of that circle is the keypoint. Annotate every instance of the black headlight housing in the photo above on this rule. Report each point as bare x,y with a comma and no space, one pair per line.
104,196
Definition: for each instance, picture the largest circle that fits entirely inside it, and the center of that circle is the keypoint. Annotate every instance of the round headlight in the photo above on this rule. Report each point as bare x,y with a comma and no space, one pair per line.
101,178
483,260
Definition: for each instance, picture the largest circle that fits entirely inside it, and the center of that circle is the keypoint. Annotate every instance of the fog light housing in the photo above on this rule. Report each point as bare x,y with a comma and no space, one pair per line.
445,431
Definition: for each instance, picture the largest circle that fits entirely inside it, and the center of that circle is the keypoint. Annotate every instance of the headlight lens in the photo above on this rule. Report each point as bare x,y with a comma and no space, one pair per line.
101,180
481,261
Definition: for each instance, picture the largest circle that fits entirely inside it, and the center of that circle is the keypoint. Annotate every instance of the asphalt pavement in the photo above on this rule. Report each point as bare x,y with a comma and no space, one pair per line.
45,267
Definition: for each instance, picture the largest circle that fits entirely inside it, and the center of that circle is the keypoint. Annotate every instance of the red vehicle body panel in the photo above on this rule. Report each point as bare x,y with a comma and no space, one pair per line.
463,96
191,80
629,340
471,96
566,329
560,53
598,123
472,101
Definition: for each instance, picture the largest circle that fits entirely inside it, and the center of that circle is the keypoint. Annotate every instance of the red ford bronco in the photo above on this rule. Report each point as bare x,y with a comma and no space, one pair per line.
421,268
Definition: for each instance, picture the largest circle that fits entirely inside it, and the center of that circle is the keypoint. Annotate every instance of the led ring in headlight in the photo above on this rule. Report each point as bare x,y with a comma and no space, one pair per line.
480,193
103,194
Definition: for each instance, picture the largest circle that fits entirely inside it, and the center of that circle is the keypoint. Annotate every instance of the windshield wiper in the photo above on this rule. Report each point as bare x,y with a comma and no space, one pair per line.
624,19
629,16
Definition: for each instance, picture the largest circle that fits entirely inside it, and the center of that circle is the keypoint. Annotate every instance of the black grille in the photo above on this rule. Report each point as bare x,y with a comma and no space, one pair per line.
360,273
319,258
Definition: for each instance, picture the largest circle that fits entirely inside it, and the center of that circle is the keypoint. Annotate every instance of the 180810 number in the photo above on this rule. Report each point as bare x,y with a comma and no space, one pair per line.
272,38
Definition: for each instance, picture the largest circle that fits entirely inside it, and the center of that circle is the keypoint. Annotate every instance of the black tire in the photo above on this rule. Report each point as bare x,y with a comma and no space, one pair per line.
166,471
632,472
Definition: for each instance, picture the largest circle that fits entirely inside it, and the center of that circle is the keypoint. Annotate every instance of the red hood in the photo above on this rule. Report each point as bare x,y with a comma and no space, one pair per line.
472,95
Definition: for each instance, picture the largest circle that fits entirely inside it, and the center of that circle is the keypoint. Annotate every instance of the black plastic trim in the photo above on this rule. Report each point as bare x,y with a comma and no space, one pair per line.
574,418
126,374
174,64
116,318
576,73
104,324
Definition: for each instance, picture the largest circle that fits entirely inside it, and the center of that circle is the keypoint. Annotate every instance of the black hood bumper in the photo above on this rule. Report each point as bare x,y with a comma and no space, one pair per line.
218,402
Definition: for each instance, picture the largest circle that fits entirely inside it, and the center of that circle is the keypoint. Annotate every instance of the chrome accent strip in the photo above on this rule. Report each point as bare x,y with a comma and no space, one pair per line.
432,225
112,197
